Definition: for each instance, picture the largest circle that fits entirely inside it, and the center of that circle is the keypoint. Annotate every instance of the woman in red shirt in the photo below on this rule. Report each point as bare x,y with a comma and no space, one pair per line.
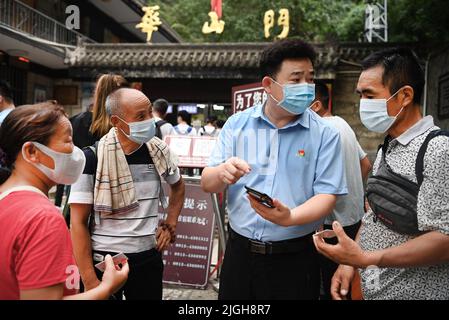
36,153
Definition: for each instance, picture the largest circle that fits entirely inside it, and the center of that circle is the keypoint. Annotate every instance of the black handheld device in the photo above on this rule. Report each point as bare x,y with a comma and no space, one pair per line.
260,197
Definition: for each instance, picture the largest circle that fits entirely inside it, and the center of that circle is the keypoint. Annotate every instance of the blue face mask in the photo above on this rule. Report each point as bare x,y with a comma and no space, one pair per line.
374,114
297,97
141,132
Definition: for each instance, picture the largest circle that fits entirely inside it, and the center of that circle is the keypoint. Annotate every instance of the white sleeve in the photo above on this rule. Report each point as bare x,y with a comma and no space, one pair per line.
82,191
173,178
362,153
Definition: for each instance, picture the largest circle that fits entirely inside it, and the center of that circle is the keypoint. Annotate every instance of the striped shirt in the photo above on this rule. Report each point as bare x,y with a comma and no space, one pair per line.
131,232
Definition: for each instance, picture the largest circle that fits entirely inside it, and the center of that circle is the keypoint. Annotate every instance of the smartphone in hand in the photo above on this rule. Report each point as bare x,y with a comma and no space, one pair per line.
327,234
260,197
120,258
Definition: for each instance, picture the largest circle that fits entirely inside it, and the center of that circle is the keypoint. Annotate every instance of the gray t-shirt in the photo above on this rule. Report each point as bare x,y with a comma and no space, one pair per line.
417,283
134,231
349,208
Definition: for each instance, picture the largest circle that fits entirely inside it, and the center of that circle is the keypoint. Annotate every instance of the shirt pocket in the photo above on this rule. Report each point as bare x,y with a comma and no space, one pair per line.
146,182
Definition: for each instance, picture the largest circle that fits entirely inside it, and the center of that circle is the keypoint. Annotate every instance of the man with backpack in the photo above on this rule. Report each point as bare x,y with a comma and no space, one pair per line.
402,249
184,128
163,128
210,129
114,204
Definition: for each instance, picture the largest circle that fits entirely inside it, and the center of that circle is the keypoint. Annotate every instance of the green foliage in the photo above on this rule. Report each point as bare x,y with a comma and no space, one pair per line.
312,20
419,20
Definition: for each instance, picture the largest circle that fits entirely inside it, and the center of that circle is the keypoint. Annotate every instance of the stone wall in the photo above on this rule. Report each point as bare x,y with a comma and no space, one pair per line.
438,87
346,105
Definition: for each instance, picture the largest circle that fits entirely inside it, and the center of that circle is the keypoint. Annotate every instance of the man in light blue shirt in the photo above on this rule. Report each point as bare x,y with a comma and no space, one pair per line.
6,102
286,151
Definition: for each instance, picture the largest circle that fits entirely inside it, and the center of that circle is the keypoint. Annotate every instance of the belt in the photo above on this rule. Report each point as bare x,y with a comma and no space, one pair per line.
273,247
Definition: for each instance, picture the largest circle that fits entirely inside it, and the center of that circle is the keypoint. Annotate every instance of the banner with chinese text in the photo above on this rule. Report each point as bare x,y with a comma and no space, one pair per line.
187,261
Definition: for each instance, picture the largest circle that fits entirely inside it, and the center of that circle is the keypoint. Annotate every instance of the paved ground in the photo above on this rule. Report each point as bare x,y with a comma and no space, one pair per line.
172,292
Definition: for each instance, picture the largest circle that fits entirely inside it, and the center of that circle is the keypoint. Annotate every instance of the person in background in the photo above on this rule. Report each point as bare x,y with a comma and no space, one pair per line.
82,137
349,208
6,100
210,129
163,128
106,84
36,145
220,123
184,128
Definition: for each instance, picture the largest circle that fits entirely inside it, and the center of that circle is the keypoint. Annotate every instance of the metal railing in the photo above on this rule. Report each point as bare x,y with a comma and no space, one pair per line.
21,17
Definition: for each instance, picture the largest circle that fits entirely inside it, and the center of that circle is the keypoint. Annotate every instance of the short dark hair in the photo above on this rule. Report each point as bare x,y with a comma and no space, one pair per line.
37,122
220,123
401,68
5,91
211,119
272,57
185,116
160,106
322,93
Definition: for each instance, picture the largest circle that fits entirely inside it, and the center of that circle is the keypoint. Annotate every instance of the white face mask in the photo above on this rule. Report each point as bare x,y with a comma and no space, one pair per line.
68,166
209,129
374,114
140,132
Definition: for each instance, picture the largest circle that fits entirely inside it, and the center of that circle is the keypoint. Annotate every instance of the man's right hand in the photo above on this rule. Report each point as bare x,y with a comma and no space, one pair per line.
233,169
341,282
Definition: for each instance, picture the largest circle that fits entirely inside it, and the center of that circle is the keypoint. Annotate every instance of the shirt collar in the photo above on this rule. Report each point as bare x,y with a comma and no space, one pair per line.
303,119
416,130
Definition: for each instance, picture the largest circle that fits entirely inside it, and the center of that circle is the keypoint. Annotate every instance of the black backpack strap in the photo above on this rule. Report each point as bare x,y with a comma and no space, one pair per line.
66,208
94,149
159,124
384,147
419,166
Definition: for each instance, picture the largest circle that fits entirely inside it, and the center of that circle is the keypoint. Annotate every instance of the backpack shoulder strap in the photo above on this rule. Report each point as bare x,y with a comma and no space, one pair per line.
419,166
94,149
384,147
158,129
189,129
160,123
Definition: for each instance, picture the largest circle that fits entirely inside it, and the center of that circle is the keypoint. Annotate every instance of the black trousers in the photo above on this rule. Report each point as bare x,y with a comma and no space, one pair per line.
145,276
328,267
254,276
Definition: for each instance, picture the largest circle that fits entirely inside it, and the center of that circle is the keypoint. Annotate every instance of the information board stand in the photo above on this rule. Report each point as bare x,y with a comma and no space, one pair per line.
187,262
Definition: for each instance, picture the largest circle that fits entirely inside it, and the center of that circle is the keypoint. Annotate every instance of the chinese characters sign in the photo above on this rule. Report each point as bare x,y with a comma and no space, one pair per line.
246,96
187,261
150,21
283,21
192,151
216,24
